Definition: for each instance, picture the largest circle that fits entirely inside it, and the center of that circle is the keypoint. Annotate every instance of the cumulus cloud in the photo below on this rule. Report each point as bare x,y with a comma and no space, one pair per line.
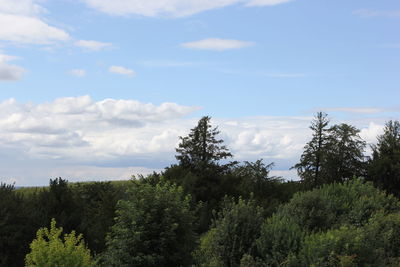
82,138
92,45
24,24
169,8
9,72
78,73
217,44
121,70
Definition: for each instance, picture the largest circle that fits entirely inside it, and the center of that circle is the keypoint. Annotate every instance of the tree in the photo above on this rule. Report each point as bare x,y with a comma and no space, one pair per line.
232,235
50,249
201,147
329,225
15,227
345,154
98,202
154,227
57,201
384,166
310,166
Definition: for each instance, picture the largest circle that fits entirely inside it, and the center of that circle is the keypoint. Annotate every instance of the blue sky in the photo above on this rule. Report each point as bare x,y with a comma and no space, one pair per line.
72,71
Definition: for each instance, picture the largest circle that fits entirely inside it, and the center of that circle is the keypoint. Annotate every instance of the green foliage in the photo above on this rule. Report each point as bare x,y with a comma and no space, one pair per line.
232,234
15,230
344,155
279,237
153,227
50,249
384,167
310,166
335,225
201,148
98,202
333,154
331,206
57,201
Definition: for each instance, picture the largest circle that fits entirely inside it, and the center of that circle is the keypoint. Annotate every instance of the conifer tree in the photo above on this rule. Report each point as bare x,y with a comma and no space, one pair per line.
309,168
384,166
201,147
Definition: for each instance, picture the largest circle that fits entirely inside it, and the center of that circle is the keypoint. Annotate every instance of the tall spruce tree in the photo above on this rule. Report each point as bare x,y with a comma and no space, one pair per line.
309,168
344,155
201,147
384,166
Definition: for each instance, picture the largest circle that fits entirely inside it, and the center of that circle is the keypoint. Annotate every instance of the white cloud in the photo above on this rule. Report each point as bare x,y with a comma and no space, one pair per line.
369,13
78,72
217,44
267,2
121,70
169,8
9,72
360,110
20,7
92,45
21,23
79,138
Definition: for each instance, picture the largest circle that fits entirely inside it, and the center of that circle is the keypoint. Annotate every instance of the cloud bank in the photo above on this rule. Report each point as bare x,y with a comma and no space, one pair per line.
79,137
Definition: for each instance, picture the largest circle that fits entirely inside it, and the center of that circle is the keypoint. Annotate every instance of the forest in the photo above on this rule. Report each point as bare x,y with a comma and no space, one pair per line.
209,210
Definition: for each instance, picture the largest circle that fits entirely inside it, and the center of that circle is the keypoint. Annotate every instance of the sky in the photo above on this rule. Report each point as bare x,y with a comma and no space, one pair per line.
102,89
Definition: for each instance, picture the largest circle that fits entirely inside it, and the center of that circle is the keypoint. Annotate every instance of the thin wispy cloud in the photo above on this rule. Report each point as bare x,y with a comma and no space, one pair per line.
92,45
267,2
217,44
170,8
121,70
78,73
359,110
169,63
370,13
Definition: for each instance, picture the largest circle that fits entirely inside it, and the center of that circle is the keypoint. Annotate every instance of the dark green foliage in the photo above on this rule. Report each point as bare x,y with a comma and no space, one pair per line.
57,202
344,155
334,154
279,237
310,166
153,227
328,226
97,204
232,235
331,206
201,148
15,229
384,167
375,244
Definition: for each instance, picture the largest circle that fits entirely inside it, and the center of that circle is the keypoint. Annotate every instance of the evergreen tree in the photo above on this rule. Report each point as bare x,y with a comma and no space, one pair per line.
309,168
384,166
201,147
344,155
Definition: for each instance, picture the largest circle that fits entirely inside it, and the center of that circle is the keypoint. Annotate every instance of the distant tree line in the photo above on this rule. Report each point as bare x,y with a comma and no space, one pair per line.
208,211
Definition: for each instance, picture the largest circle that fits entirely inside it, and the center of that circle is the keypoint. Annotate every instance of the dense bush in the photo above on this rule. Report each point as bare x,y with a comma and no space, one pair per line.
154,227
232,235
50,249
